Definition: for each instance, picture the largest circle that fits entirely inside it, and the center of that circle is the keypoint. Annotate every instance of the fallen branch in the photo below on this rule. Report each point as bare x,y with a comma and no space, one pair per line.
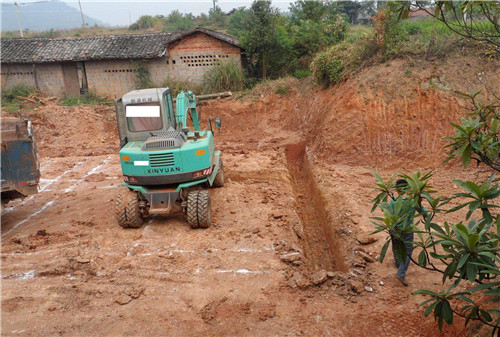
27,99
214,96
211,96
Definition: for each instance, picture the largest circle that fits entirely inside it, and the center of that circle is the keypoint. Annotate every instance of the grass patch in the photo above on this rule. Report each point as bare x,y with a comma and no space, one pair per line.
355,32
282,90
11,103
224,76
89,98
176,86
11,95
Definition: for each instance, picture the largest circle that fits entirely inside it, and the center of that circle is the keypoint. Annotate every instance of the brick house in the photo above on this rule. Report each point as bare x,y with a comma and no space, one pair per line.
106,65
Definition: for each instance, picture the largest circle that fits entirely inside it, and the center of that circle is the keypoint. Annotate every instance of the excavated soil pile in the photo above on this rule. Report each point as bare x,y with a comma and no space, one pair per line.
75,131
288,251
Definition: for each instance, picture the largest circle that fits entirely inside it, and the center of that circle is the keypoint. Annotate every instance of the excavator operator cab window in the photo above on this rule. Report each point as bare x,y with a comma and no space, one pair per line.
143,117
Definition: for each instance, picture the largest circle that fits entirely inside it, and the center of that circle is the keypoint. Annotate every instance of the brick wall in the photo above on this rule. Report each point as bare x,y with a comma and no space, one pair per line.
17,74
110,78
49,77
192,56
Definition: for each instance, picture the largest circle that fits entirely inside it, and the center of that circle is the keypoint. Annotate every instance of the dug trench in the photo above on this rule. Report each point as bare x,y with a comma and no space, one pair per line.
319,237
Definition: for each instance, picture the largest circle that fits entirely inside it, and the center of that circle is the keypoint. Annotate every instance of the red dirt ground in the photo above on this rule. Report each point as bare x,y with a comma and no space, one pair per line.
298,180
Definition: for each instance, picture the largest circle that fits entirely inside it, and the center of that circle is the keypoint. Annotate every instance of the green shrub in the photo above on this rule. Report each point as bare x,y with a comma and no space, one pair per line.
223,76
301,74
331,66
10,96
143,76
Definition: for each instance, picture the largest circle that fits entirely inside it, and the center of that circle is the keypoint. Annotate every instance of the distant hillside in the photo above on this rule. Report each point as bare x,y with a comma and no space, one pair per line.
43,15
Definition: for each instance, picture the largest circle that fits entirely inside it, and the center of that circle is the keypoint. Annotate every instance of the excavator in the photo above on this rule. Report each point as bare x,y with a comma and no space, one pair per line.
167,166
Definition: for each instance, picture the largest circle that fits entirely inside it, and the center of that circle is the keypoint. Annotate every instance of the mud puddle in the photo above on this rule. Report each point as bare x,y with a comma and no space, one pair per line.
319,243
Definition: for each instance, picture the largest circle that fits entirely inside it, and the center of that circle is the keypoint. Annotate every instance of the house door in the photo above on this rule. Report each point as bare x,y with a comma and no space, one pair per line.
70,74
82,78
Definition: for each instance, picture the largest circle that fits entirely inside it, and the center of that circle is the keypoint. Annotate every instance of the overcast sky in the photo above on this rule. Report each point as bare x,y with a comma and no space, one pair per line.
120,13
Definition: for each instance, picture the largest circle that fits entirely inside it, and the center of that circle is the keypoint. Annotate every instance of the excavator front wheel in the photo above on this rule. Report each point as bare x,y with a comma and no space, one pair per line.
199,209
127,210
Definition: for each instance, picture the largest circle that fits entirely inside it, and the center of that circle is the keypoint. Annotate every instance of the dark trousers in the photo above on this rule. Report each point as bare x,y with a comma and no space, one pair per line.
403,266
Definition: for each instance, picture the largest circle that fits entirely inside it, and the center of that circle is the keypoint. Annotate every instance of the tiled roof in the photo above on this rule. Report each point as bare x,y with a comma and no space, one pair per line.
40,50
218,35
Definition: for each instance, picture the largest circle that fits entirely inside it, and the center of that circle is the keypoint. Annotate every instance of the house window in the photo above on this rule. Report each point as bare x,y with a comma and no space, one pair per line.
118,70
207,60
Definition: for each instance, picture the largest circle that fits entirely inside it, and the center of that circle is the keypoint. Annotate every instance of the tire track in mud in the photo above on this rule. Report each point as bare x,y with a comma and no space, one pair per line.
319,242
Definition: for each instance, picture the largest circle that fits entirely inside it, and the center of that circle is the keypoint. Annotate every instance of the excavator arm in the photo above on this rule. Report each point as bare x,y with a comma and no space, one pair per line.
186,101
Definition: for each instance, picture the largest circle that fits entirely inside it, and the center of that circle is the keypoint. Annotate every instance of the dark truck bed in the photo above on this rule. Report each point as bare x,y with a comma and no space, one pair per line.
20,170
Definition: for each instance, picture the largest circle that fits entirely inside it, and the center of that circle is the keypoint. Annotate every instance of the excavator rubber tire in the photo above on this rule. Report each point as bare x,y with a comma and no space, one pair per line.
204,209
219,177
199,209
192,209
127,210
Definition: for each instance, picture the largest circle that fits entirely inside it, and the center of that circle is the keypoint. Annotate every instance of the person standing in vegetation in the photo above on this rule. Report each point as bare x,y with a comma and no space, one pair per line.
402,236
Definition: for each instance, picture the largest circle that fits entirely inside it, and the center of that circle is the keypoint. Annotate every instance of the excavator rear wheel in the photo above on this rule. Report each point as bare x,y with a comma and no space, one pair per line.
219,177
127,210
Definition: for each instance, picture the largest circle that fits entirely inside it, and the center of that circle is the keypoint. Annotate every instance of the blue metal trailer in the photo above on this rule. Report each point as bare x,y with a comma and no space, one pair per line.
20,170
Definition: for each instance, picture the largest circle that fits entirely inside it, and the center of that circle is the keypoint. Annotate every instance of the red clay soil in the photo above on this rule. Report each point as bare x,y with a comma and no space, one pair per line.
283,256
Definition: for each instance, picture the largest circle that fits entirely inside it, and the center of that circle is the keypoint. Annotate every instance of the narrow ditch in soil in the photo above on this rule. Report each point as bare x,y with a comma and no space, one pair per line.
319,243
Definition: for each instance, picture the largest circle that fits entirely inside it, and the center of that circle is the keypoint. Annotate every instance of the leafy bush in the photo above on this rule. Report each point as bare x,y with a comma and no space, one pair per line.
143,76
301,74
10,96
331,66
144,22
224,76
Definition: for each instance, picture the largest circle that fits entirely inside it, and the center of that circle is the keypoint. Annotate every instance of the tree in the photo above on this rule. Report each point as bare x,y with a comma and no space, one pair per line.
309,10
177,22
315,25
351,9
477,20
465,251
261,36
144,22
217,17
236,19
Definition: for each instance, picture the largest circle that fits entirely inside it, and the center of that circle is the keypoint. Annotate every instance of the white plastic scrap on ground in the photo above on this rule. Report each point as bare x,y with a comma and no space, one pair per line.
51,181
89,173
50,203
26,276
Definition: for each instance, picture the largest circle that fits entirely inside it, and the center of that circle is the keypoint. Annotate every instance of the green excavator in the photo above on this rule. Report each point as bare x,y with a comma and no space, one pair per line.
166,166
